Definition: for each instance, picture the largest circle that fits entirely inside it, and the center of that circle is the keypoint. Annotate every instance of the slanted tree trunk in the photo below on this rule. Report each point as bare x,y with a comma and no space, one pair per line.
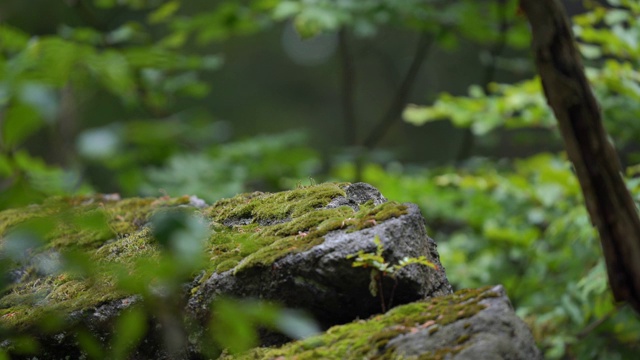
608,201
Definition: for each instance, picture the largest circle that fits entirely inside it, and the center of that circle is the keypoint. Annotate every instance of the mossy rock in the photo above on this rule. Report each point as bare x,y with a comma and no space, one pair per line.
316,272
71,259
470,324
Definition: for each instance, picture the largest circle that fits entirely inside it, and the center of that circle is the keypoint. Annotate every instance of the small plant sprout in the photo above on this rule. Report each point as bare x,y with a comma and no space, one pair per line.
381,268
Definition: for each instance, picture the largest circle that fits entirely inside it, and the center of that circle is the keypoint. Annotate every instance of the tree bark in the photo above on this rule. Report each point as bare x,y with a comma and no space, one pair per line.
596,163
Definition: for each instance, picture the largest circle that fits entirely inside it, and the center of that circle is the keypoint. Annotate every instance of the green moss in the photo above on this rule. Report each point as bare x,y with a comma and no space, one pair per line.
29,302
463,339
278,206
369,339
110,232
107,230
293,222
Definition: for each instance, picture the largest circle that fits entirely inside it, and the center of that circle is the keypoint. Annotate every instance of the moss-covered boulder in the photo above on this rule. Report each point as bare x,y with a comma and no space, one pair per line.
468,325
311,266
78,263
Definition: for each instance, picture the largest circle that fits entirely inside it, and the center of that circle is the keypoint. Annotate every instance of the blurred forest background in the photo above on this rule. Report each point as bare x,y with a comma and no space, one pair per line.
432,101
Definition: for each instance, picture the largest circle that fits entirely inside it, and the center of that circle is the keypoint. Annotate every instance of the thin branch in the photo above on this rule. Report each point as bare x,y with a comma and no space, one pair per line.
385,61
488,75
589,328
381,292
498,47
393,292
400,99
348,88
609,203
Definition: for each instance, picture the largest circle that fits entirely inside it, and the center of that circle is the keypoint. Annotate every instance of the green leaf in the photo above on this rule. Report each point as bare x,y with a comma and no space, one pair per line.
164,12
286,9
12,39
114,72
418,115
20,122
81,34
296,324
232,328
127,32
616,16
5,166
590,51
25,345
129,330
90,345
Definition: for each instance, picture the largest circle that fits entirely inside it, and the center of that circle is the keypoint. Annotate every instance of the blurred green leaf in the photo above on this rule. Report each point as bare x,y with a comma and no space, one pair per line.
232,328
90,345
20,122
129,330
296,324
12,39
164,12
183,234
25,345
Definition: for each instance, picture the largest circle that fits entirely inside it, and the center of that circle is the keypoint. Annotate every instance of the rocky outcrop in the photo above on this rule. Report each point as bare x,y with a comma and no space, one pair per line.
296,247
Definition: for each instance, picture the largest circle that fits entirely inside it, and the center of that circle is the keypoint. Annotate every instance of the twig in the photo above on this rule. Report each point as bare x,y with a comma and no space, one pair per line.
488,75
400,99
381,292
393,292
348,88
587,330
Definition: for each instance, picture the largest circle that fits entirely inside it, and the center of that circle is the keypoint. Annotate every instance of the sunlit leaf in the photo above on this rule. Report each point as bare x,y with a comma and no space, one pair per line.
164,12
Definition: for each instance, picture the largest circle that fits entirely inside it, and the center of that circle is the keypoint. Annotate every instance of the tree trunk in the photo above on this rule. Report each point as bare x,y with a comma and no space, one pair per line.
598,169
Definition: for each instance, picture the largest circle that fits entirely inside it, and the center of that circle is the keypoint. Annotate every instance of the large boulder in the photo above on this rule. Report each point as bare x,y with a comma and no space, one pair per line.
321,279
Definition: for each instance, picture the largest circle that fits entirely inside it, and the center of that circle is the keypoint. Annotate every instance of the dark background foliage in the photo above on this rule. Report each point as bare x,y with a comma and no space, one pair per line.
215,98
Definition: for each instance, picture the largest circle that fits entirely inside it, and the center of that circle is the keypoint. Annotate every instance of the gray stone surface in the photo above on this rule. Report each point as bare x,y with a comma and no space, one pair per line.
494,333
357,194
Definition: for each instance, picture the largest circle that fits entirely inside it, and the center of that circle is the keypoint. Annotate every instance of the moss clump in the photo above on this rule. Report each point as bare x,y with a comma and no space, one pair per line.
278,206
369,339
240,247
